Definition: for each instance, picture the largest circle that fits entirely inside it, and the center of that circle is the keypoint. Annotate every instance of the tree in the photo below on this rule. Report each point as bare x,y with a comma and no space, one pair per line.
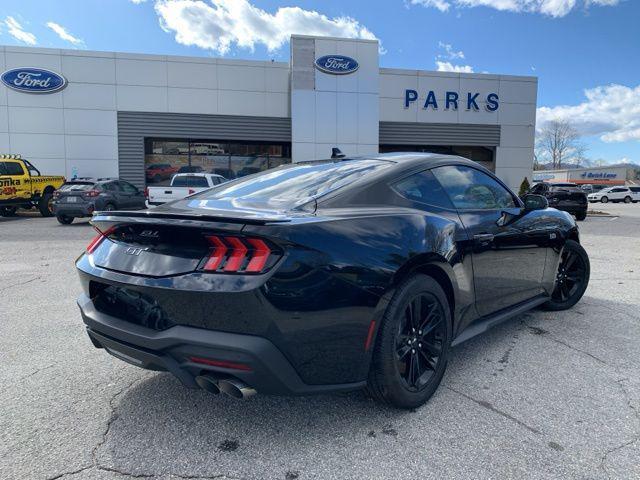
557,140
524,187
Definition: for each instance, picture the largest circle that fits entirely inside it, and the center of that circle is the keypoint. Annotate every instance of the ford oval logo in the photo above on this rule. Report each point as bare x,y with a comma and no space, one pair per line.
33,80
336,64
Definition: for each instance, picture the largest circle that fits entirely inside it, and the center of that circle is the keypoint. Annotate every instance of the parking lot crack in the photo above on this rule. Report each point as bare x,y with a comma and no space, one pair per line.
36,371
19,284
490,407
72,472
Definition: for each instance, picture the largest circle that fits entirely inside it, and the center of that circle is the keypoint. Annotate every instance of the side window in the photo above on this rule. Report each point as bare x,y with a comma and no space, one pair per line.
11,168
424,188
471,189
128,188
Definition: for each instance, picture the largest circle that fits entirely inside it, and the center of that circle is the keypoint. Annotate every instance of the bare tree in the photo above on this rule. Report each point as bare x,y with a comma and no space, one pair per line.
557,140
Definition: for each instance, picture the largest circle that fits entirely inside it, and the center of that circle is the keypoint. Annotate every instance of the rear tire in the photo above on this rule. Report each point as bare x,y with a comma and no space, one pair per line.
580,216
627,199
64,219
8,211
604,199
572,278
412,345
45,205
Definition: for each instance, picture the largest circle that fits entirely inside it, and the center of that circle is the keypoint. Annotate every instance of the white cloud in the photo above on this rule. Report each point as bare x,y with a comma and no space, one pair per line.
137,2
64,34
17,32
610,112
449,67
220,24
552,8
450,52
442,5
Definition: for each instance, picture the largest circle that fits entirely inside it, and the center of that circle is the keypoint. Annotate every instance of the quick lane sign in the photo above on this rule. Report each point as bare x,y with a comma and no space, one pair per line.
453,100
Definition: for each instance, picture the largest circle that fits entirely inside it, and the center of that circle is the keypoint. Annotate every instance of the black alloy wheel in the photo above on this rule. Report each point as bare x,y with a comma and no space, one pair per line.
412,344
572,277
419,341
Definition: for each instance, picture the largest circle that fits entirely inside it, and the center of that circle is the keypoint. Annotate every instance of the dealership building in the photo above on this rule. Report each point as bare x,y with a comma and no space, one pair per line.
144,117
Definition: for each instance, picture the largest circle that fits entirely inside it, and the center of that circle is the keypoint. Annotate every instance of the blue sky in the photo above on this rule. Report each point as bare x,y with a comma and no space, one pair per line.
577,48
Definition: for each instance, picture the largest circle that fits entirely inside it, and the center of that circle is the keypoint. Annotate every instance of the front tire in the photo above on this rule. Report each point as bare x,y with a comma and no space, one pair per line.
572,278
412,346
580,216
627,199
64,219
45,205
604,199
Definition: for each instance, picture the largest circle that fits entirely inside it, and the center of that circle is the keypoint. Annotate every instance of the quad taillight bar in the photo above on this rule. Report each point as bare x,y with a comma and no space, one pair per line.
237,254
97,240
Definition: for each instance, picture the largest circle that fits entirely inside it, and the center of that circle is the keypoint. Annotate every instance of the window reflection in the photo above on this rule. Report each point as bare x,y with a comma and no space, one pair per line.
166,157
483,155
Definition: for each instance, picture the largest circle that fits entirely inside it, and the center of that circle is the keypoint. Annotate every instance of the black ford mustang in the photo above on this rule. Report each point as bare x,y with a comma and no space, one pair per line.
326,276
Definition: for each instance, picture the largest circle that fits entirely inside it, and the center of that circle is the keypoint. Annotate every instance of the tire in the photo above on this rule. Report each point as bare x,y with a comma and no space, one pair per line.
45,206
604,199
390,377
580,216
8,211
627,199
64,219
572,278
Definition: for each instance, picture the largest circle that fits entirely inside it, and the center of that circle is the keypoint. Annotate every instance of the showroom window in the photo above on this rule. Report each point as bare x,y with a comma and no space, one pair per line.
165,157
483,155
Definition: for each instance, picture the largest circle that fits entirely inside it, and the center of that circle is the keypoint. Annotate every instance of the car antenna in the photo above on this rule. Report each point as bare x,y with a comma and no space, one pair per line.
337,153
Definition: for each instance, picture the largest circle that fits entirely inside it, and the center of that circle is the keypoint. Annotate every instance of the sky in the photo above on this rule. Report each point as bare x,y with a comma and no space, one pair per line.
584,52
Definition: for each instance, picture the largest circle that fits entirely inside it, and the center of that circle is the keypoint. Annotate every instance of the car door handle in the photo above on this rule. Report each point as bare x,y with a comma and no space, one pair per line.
483,237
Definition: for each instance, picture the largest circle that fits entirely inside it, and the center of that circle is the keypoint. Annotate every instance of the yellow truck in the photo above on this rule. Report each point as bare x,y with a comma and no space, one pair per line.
22,186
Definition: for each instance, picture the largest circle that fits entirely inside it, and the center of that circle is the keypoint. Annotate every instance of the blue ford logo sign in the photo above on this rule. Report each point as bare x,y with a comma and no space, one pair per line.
336,64
33,80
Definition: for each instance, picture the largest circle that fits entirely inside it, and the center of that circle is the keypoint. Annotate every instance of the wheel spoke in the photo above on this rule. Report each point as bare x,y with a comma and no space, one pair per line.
417,312
431,347
430,362
571,257
403,350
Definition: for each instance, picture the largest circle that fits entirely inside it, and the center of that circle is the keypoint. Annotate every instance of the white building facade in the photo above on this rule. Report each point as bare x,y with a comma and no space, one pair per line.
144,117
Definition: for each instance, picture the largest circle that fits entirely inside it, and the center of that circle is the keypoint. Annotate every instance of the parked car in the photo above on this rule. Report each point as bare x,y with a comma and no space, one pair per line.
326,276
182,185
635,193
564,196
23,186
592,188
613,194
81,197
157,172
190,169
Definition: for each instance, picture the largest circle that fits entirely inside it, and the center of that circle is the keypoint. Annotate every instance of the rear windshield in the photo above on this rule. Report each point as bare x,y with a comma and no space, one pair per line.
287,186
196,181
76,186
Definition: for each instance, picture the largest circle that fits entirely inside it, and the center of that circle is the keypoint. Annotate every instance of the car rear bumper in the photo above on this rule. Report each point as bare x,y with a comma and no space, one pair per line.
264,367
73,210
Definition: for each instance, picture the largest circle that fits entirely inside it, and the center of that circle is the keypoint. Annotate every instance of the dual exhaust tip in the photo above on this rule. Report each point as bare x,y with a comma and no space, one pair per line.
230,386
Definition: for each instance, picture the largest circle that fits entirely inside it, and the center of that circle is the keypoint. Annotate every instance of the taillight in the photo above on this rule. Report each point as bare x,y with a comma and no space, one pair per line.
231,254
146,193
91,193
97,240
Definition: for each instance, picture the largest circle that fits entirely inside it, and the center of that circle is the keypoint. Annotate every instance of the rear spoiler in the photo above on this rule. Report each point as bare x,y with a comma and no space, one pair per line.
190,220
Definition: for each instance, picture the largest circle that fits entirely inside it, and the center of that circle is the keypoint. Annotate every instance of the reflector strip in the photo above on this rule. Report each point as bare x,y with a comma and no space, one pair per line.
215,259
260,255
221,363
239,252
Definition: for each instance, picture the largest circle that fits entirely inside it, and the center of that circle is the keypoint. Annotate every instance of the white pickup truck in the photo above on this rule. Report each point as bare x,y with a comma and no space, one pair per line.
182,185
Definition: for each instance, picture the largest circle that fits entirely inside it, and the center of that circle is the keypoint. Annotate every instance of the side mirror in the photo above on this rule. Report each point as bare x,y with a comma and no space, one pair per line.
534,202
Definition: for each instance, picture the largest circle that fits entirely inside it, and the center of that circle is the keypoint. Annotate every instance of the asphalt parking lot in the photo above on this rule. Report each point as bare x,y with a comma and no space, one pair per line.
546,395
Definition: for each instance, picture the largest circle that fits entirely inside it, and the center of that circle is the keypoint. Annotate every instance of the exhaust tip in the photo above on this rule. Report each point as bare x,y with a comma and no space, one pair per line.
208,383
236,388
